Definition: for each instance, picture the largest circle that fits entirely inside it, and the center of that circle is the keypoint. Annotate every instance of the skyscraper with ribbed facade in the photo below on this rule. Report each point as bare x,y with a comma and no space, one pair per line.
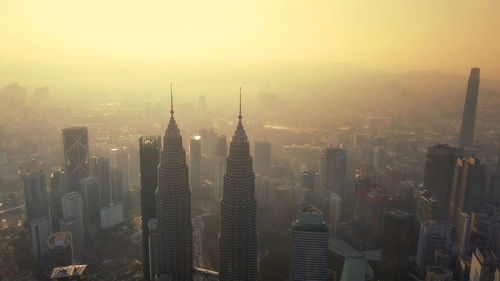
466,138
173,208
238,235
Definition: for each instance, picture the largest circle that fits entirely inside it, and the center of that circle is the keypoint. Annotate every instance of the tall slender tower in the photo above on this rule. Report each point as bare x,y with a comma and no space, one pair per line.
466,139
149,152
238,235
173,207
76,155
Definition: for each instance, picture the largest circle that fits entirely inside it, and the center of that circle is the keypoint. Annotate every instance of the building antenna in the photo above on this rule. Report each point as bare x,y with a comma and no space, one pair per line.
171,101
240,105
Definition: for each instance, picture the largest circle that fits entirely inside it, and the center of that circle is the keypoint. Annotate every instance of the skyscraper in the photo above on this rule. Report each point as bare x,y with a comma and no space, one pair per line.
119,160
173,207
60,249
57,190
468,186
221,155
309,255
149,153
238,234
195,165
41,228
263,160
100,170
483,265
332,166
463,231
433,236
76,155
396,244
35,195
438,173
72,221
335,204
466,138
90,192
116,184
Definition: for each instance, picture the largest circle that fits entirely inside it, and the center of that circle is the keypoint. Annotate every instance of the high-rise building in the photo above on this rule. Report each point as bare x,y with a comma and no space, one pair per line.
116,184
483,265
485,227
72,221
119,159
332,166
438,173
91,204
35,195
433,236
60,249
149,153
309,254
111,215
463,231
335,204
195,165
369,207
221,154
438,273
173,207
263,158
468,186
309,179
466,138
396,244
57,190
100,170
154,266
76,155
41,228
238,230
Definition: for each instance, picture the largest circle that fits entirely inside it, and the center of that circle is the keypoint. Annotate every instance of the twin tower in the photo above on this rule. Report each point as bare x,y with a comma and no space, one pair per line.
173,249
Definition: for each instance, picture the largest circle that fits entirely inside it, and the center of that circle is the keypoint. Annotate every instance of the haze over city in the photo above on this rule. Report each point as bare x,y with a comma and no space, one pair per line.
265,140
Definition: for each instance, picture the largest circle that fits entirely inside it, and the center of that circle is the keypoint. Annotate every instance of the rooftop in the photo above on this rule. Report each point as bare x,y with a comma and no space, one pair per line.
68,271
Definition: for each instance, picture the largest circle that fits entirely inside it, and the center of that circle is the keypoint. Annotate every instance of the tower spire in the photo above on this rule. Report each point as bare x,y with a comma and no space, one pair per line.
171,101
240,105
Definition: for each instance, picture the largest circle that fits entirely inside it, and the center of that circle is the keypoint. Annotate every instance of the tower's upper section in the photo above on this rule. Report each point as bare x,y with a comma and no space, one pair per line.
240,136
172,129
474,73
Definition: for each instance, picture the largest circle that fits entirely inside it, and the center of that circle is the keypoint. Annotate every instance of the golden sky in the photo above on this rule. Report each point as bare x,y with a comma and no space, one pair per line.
399,35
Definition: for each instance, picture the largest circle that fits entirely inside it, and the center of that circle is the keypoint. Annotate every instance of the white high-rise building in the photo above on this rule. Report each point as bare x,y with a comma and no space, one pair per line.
41,228
309,255
72,221
119,159
335,203
111,215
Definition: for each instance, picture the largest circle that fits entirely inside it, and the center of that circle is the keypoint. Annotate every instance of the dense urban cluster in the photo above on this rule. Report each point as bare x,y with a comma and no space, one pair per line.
376,202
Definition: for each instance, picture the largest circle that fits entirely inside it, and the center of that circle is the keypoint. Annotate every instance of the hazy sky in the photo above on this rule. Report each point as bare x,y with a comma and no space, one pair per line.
400,35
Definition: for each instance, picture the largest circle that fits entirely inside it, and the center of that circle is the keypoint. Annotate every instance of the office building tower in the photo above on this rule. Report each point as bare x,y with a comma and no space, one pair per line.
221,154
438,173
433,236
335,203
195,165
485,227
72,220
309,179
154,266
309,254
149,154
463,230
442,258
57,190
111,215
76,155
263,158
35,195
468,186
462,270
438,273
41,228
429,207
466,138
483,265
91,204
396,244
369,207
60,249
494,192
173,207
238,233
332,166
116,184
100,170
119,159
